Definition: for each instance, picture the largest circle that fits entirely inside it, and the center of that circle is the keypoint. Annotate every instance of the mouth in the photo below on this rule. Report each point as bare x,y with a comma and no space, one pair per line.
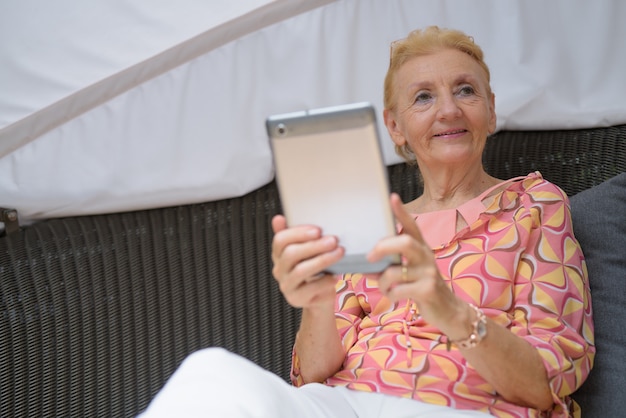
451,132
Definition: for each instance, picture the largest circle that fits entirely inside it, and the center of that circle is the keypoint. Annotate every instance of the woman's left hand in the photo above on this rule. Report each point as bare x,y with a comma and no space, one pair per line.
418,277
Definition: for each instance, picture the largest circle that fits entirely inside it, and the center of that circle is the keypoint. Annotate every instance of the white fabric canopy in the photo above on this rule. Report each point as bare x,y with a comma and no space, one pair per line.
114,105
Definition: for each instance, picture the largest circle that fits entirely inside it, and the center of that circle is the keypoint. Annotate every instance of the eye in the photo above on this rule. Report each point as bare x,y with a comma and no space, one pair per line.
466,90
423,97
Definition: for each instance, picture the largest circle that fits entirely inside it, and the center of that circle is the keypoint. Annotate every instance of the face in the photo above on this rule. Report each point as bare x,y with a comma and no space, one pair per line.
444,109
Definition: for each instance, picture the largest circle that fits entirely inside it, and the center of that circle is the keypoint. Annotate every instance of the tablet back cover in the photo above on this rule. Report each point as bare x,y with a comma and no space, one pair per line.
330,173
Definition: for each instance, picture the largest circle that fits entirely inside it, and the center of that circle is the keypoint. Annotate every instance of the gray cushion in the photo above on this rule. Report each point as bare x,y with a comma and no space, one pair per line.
599,216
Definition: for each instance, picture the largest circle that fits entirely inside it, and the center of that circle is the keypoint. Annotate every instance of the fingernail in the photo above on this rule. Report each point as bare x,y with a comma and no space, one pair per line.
330,240
313,232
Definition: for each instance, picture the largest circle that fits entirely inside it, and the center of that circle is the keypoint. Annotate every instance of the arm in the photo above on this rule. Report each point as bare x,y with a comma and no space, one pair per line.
516,365
318,347
299,254
511,365
553,311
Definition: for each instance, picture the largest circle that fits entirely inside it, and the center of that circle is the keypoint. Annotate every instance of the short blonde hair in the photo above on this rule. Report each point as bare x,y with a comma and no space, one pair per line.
422,42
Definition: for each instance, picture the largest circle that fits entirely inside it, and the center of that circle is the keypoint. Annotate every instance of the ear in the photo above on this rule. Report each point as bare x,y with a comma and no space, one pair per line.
392,127
492,114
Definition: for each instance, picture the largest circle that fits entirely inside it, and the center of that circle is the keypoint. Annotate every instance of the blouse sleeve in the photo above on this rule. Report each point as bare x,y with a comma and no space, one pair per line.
553,304
348,315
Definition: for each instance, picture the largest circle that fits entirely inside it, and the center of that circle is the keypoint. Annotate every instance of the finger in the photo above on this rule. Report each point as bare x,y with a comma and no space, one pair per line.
284,236
420,282
306,264
404,218
398,274
278,223
303,261
413,252
393,280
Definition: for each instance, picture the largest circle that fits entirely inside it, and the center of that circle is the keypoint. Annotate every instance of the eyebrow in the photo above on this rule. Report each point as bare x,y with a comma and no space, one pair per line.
461,78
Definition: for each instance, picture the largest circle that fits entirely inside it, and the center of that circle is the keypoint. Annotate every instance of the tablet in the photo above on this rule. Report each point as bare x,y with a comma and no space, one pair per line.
330,173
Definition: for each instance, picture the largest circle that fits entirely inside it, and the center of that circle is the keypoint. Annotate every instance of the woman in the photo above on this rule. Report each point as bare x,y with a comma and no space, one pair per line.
489,313
482,248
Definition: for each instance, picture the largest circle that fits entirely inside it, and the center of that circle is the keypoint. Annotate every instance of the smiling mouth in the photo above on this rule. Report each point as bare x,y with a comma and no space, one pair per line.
456,131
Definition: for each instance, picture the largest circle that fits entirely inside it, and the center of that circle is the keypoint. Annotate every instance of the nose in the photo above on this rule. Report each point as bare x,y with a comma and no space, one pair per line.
448,108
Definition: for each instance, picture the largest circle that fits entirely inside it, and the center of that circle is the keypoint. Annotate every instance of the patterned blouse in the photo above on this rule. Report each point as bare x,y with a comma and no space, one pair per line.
520,263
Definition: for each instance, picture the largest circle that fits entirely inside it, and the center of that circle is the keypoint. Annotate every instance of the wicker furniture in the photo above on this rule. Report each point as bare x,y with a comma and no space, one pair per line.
98,311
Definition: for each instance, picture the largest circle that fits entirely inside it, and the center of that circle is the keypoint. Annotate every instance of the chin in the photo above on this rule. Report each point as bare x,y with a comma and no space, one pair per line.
455,157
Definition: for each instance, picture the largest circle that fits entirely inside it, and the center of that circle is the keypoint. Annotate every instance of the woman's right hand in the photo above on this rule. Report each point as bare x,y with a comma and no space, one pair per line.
299,255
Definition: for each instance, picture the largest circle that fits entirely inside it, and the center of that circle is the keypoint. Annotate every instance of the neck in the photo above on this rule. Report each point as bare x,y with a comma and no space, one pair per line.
447,189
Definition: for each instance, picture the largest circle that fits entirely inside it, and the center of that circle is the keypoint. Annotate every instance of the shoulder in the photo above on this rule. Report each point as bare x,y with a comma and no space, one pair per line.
538,189
537,198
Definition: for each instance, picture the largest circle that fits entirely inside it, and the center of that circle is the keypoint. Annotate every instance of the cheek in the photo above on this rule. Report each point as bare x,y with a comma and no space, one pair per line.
419,121
481,115
415,126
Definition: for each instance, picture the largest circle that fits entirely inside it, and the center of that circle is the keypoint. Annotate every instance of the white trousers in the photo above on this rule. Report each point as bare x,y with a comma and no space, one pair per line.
216,383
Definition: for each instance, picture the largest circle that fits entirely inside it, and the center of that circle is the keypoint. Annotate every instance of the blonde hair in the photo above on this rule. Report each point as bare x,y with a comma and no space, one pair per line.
422,42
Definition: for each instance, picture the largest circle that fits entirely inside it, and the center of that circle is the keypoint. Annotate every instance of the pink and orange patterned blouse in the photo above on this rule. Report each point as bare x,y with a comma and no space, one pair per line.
520,263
